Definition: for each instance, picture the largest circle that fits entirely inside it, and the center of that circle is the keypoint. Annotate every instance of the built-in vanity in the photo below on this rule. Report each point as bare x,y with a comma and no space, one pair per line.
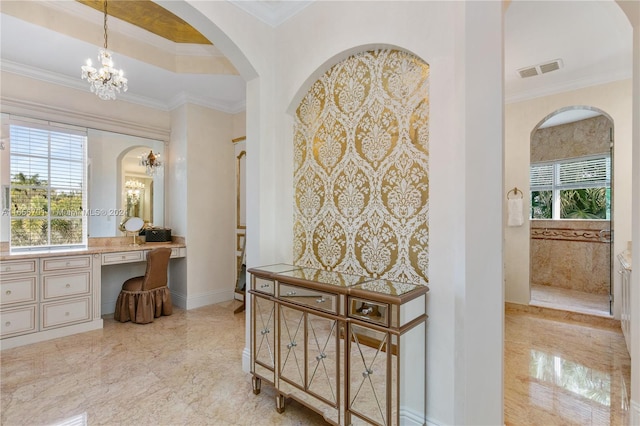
351,348
50,294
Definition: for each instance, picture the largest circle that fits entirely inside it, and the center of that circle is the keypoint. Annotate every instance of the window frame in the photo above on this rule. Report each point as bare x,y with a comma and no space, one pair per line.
556,187
75,135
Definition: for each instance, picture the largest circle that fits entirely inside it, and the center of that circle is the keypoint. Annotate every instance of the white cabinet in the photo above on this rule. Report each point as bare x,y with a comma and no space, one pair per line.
625,311
18,298
48,297
349,347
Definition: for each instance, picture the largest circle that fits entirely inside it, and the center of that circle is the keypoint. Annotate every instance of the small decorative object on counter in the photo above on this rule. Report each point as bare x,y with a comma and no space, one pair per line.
157,235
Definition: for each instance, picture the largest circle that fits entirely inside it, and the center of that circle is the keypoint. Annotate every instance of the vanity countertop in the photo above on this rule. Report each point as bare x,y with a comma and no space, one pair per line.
96,246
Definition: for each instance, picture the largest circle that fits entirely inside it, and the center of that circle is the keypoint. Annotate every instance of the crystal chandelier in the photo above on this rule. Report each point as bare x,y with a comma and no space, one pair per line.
152,162
134,188
108,80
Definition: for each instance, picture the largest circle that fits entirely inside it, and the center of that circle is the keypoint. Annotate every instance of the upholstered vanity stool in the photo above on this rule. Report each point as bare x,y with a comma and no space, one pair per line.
144,298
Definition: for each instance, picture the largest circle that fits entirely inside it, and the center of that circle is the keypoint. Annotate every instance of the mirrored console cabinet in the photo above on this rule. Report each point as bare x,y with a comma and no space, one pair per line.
351,348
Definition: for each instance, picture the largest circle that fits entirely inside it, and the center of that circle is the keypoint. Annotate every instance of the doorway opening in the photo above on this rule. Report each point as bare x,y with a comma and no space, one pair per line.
571,211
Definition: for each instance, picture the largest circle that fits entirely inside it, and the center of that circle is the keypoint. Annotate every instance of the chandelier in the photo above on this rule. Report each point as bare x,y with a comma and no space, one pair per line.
134,187
151,161
108,80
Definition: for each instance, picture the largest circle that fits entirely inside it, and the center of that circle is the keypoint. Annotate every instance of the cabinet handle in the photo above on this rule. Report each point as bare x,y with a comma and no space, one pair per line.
321,300
321,356
7,324
291,345
265,285
291,293
67,286
68,263
367,311
265,331
66,314
366,373
8,292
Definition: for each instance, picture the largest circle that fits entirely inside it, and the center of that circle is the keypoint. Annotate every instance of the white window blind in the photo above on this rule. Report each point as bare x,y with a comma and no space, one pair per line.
48,185
541,175
592,172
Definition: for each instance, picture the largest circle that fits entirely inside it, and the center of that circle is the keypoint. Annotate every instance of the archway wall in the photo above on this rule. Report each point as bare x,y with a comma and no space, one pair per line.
465,151
521,119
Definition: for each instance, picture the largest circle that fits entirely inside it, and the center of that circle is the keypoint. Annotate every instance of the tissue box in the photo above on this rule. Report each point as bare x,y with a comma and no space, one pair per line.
157,235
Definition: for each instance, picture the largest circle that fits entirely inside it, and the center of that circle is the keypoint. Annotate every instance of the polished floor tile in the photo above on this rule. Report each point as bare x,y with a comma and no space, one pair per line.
570,300
564,372
186,370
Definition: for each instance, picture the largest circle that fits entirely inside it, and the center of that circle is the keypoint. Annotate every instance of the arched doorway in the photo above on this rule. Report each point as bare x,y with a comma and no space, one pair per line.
571,211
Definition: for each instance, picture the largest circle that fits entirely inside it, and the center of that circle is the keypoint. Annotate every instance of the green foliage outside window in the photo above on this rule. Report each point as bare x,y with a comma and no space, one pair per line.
589,203
32,201
541,204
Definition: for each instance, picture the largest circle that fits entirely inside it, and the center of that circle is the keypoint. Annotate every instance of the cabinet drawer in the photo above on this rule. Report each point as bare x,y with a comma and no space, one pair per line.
367,310
19,290
122,257
54,286
63,263
56,314
17,267
177,252
309,297
18,321
264,286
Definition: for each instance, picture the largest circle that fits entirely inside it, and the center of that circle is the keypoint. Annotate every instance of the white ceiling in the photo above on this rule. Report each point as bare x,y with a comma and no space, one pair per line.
592,38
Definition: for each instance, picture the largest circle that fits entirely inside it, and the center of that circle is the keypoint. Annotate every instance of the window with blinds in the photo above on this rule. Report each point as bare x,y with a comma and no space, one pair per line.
571,189
47,194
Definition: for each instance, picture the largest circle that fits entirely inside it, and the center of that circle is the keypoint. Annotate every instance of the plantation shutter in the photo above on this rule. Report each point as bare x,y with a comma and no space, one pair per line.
541,176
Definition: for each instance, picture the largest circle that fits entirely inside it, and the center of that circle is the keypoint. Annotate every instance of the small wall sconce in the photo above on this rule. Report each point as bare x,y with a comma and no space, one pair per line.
152,162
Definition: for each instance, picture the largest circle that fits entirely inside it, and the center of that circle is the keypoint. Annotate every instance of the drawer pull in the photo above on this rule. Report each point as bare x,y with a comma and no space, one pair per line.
366,373
7,324
321,356
8,268
265,285
122,257
67,286
265,331
8,292
291,293
291,345
366,311
321,300
66,314
68,263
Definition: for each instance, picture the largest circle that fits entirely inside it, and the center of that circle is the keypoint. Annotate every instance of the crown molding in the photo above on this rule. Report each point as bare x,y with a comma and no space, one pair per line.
77,84
568,86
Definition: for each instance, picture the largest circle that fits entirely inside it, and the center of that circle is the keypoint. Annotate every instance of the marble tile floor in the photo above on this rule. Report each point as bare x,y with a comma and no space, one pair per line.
186,370
570,300
563,368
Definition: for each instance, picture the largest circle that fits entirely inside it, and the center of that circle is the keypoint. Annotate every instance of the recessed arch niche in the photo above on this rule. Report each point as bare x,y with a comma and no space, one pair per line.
361,155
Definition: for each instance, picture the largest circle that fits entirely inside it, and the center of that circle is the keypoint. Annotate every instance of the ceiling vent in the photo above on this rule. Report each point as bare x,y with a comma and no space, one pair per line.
540,68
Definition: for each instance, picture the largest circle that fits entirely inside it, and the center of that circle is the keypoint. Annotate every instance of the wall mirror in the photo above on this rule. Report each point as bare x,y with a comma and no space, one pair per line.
119,186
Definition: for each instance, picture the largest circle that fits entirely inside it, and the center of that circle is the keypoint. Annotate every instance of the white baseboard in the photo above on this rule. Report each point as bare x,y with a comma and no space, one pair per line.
54,333
634,415
246,360
206,299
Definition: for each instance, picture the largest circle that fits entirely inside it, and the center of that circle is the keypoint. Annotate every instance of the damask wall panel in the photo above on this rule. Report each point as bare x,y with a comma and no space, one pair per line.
361,168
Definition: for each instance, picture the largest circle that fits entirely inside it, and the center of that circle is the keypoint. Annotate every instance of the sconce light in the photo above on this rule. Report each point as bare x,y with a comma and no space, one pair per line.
152,162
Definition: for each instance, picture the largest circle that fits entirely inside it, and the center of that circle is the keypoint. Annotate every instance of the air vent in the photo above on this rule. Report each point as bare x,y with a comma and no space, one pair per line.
528,72
540,68
551,66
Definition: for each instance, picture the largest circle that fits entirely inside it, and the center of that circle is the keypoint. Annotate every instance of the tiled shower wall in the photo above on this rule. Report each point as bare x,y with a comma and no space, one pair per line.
571,254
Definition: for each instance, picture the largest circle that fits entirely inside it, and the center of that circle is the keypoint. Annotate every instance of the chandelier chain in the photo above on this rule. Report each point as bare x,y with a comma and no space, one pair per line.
105,24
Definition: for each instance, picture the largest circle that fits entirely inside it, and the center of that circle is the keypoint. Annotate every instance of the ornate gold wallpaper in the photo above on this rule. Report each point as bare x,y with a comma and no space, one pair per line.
361,168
